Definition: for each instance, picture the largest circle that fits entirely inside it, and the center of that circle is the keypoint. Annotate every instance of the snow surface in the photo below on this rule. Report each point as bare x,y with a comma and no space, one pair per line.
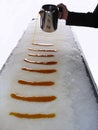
75,107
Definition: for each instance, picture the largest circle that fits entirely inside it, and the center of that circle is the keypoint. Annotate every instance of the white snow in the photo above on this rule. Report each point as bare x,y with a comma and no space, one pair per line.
75,107
80,107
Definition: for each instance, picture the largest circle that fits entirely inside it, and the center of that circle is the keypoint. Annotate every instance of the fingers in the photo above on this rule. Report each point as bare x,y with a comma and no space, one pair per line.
60,11
63,12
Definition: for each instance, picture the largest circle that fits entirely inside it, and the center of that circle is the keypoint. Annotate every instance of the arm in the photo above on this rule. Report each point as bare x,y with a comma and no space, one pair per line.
83,19
89,19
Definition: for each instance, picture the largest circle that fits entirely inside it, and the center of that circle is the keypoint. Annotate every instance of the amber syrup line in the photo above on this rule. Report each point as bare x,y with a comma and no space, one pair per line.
32,116
44,71
33,98
35,29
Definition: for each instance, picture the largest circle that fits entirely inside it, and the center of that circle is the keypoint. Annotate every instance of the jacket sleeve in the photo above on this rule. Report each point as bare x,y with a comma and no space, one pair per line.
83,19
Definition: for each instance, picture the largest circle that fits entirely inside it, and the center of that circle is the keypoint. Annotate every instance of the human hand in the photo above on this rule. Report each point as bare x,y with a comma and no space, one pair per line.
63,11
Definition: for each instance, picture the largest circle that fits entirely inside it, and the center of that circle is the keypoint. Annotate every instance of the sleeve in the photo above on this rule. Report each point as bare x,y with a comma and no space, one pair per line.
83,19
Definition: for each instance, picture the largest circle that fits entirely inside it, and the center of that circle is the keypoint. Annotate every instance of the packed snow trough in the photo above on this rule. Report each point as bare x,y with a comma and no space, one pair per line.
46,84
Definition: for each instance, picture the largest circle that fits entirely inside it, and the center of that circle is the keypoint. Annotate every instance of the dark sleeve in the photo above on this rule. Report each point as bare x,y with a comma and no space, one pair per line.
83,19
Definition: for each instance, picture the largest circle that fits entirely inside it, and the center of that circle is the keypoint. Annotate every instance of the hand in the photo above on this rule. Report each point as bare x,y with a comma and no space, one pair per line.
63,11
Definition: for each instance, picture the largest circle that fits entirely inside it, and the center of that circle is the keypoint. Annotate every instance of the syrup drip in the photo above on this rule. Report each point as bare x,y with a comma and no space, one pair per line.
34,99
42,44
39,71
44,83
41,55
40,62
32,116
43,50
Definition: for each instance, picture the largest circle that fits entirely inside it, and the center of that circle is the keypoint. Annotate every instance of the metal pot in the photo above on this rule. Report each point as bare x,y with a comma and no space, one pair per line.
49,17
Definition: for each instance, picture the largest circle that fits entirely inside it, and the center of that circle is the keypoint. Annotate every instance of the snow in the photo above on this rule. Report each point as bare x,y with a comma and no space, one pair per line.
75,107
81,112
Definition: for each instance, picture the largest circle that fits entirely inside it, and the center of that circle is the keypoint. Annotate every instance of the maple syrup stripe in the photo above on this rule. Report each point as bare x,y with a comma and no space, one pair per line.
43,50
40,62
41,55
34,99
47,71
42,44
32,116
43,83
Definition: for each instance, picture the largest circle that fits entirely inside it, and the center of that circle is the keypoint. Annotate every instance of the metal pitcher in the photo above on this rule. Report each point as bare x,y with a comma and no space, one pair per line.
49,17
